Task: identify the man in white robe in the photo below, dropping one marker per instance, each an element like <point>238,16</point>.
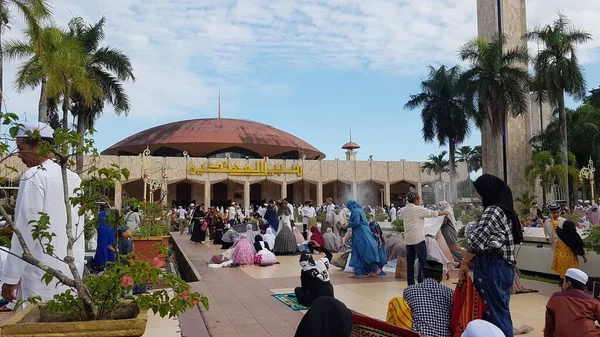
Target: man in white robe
<point>41,190</point>
<point>393,214</point>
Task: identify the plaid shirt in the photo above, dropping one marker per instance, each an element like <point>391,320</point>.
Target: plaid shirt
<point>493,233</point>
<point>431,307</point>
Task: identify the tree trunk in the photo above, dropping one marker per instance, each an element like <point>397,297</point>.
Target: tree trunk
<point>564,150</point>
<point>543,198</point>
<point>452,158</point>
<point>43,104</point>
<point>81,132</point>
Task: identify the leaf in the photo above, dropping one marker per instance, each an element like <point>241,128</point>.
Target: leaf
<point>47,278</point>
<point>204,301</point>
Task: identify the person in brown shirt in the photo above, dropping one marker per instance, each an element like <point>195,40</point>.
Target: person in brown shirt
<point>572,312</point>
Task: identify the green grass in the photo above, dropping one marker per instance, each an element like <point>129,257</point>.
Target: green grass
<point>539,278</point>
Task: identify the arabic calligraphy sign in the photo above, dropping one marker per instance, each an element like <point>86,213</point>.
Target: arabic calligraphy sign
<point>260,169</point>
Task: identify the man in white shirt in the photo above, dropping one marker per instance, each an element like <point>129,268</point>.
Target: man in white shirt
<point>287,204</point>
<point>414,216</point>
<point>393,213</point>
<point>308,215</point>
<point>330,212</point>
<point>231,213</point>
<point>182,219</point>
<point>41,190</point>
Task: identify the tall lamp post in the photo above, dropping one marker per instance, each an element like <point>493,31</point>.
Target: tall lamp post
<point>588,173</point>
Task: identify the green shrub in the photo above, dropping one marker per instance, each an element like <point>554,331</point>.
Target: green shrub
<point>398,225</point>
<point>321,217</point>
<point>380,216</point>
<point>572,217</point>
<point>369,217</point>
<point>465,219</point>
<point>592,241</point>
<point>461,232</point>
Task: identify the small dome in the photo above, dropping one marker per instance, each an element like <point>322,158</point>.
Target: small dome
<point>350,146</point>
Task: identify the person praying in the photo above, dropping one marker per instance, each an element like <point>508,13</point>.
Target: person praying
<point>314,280</point>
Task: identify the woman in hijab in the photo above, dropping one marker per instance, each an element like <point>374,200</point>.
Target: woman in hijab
<point>380,241</point>
<point>259,244</point>
<point>314,280</point>
<point>271,218</point>
<point>285,242</point>
<point>332,241</point>
<point>568,247</point>
<point>365,254</point>
<point>298,236</point>
<point>219,227</point>
<point>198,225</point>
<point>250,233</point>
<point>316,236</point>
<point>449,231</point>
<point>269,237</point>
<point>491,249</point>
<point>244,252</point>
<point>327,317</point>
<point>593,215</point>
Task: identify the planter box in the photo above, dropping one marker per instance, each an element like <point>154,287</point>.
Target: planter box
<point>144,247</point>
<point>26,324</point>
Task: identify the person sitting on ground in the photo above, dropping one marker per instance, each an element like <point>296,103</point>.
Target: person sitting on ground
<point>332,241</point>
<point>260,244</point>
<point>264,257</point>
<point>327,317</point>
<point>314,279</point>
<point>244,252</point>
<point>430,302</point>
<point>572,312</point>
<point>479,328</point>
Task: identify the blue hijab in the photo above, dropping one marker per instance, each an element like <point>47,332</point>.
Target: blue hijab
<point>356,210</point>
<point>271,217</point>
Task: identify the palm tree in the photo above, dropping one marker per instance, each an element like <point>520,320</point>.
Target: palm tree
<point>497,81</point>
<point>57,64</point>
<point>476,159</point>
<point>466,155</point>
<point>544,169</point>
<point>558,69</point>
<point>33,11</point>
<point>107,67</point>
<point>445,113</point>
<point>525,201</point>
<point>436,165</point>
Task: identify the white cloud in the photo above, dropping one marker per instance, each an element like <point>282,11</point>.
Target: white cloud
<point>183,51</point>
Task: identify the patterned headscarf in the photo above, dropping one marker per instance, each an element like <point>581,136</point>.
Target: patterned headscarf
<point>377,234</point>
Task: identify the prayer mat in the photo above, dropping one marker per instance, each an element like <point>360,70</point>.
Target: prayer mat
<point>290,300</point>
<point>364,326</point>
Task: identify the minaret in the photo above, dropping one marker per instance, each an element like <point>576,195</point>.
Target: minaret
<point>350,147</point>
<point>519,130</point>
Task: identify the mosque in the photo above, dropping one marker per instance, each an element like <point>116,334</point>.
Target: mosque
<point>217,161</point>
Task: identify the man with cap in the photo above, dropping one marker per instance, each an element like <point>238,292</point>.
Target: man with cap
<point>41,190</point>
<point>231,214</point>
<point>430,302</point>
<point>414,216</point>
<point>309,216</point>
<point>572,312</point>
<point>393,213</point>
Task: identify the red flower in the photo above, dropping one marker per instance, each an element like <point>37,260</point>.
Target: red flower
<point>127,281</point>
<point>158,262</point>
<point>184,294</point>
<point>194,301</point>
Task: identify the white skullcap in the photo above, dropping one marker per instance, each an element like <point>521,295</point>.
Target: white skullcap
<point>44,129</point>
<point>192,205</point>
<point>481,328</point>
<point>577,275</point>
<point>233,203</point>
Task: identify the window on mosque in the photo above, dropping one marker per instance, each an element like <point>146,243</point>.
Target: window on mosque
<point>235,152</point>
<point>167,152</point>
<point>288,155</point>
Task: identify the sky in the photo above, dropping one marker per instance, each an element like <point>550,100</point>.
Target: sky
<point>312,68</point>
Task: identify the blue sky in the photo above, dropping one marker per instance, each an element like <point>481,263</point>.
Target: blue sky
<point>311,68</point>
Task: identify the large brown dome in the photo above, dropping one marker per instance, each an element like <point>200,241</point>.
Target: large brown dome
<point>213,137</point>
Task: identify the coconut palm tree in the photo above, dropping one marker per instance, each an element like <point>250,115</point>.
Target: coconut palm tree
<point>544,169</point>
<point>558,69</point>
<point>445,113</point>
<point>436,165</point>
<point>56,63</point>
<point>466,154</point>
<point>497,81</point>
<point>476,159</point>
<point>33,11</point>
<point>105,66</point>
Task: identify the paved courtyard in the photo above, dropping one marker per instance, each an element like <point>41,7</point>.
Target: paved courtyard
<point>241,303</point>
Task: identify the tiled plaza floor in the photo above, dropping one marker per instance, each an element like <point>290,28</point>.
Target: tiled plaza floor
<point>241,305</point>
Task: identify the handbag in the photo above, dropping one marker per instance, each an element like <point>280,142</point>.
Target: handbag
<point>204,225</point>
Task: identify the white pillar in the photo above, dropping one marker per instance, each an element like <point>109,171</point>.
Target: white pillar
<point>283,190</point>
<point>420,190</point>
<point>207,188</point>
<point>306,191</point>
<point>118,195</point>
<point>319,193</point>
<point>246,194</point>
<point>355,191</point>
<point>387,195</point>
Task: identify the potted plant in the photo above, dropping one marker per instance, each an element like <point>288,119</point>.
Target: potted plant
<point>153,232</point>
<point>93,305</point>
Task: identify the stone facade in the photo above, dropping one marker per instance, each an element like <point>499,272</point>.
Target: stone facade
<point>372,182</point>
<point>520,129</point>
